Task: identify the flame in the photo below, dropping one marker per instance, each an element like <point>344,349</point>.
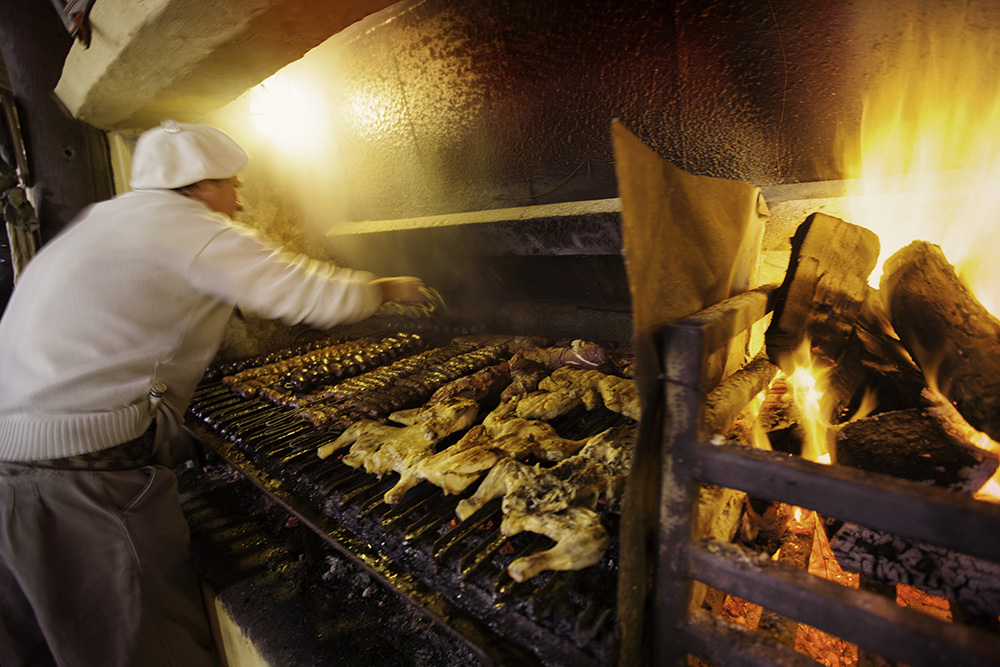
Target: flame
<point>990,491</point>
<point>758,436</point>
<point>808,384</point>
<point>926,160</point>
<point>869,401</point>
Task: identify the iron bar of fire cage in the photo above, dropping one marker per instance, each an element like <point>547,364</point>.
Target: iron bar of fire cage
<point>722,644</point>
<point>905,508</point>
<point>908,509</point>
<point>868,619</point>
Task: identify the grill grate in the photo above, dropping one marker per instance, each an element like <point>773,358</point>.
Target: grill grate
<point>455,570</point>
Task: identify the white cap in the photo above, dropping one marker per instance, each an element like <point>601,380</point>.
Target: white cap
<point>174,155</point>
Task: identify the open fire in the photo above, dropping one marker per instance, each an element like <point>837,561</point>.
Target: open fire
<point>887,371</point>
<point>927,157</point>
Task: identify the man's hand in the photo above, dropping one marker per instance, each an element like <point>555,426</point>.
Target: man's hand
<point>403,289</point>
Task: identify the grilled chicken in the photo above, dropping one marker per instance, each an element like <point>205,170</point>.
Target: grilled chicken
<point>546,404</point>
<point>381,449</point>
<point>620,395</point>
<point>481,386</point>
<point>580,541</point>
<point>502,435</point>
<point>525,376</point>
<point>559,502</point>
<point>568,388</point>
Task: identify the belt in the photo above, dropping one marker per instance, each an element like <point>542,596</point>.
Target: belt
<point>132,454</point>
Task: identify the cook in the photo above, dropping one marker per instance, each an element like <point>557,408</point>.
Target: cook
<point>106,335</point>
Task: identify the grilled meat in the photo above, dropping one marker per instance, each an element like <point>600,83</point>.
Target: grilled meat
<point>578,353</point>
<point>382,449</point>
<point>524,377</point>
<point>301,373</point>
<point>502,435</point>
<point>580,541</point>
<point>481,386</point>
<point>567,388</point>
<point>407,382</point>
<point>559,502</point>
<point>620,395</point>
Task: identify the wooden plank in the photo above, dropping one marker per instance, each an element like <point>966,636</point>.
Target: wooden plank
<point>901,507</point>
<point>858,616</point>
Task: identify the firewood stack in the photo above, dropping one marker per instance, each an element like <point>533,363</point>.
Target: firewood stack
<point>928,353</point>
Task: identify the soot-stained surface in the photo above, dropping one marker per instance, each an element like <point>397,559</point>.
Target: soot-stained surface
<point>298,599</point>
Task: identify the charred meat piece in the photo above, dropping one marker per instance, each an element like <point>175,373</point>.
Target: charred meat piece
<point>480,386</point>
<point>221,370</point>
<point>300,374</point>
<point>405,383</point>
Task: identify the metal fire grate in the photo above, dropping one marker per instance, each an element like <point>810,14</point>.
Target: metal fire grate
<point>900,507</point>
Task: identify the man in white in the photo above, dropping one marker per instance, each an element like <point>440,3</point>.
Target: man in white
<point>106,335</point>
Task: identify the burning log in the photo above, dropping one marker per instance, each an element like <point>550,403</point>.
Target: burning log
<point>952,337</point>
<point>825,287</point>
<point>935,446</point>
<point>918,445</point>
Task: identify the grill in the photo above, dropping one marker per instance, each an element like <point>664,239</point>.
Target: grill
<point>454,570</point>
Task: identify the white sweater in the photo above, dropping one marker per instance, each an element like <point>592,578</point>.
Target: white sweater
<point>138,291</point>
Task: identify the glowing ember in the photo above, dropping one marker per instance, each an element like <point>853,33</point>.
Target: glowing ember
<point>798,514</point>
<point>927,159</point>
<point>808,390</point>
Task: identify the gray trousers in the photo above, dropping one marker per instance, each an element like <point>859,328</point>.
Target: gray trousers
<point>95,570</point>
